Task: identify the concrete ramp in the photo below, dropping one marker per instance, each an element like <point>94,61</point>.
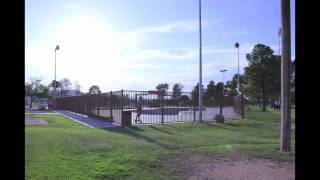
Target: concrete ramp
<point>85,120</point>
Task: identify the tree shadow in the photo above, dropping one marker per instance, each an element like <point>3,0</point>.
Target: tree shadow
<point>215,125</point>
<point>133,132</point>
<point>234,125</point>
<point>161,130</point>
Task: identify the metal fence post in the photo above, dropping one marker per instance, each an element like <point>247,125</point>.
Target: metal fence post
<point>121,107</point>
<point>162,109</point>
<point>88,106</point>
<point>111,108</point>
<point>194,112</point>
<point>100,96</point>
<point>242,106</point>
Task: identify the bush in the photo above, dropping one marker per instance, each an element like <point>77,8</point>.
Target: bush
<point>219,118</point>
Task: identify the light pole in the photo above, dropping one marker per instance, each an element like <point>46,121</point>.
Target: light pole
<point>55,81</point>
<point>279,33</point>
<point>236,45</point>
<point>200,66</point>
<point>223,71</point>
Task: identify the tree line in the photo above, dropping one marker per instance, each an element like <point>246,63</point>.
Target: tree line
<point>260,84</point>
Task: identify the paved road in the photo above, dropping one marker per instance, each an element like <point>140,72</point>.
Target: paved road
<point>32,121</point>
<point>36,111</point>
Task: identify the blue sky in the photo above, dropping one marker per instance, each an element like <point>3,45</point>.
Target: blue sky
<point>136,44</point>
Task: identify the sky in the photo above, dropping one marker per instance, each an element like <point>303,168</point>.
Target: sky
<point>137,44</point>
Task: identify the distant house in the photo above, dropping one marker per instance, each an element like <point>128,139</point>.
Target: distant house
<point>74,93</point>
<point>68,93</point>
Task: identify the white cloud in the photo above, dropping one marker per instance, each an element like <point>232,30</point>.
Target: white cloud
<point>178,26</point>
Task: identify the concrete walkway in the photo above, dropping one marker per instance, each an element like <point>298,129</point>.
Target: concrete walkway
<point>87,121</point>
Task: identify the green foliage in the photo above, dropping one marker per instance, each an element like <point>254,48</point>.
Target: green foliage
<point>208,97</point>
<point>184,100</point>
<point>231,86</point>
<point>162,87</point>
<point>58,84</point>
<point>177,90</point>
<point>65,86</point>
<point>219,92</point>
<point>94,90</point>
<point>34,89</point>
<point>263,75</point>
<point>195,95</point>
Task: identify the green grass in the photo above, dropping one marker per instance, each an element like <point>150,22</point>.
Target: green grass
<point>67,149</point>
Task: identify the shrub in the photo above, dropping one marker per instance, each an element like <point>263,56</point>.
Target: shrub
<point>219,118</point>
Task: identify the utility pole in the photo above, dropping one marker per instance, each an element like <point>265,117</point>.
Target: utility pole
<point>285,77</point>
<point>279,33</point>
<point>236,45</point>
<point>200,66</point>
<point>55,80</point>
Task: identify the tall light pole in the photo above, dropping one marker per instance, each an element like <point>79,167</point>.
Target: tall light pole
<point>55,67</point>
<point>279,34</point>
<point>236,45</point>
<point>285,76</point>
<point>200,66</point>
<point>223,71</point>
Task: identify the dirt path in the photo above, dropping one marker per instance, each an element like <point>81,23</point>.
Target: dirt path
<point>201,167</point>
<point>33,121</point>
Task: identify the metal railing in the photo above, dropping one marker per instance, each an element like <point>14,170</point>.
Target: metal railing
<point>158,107</point>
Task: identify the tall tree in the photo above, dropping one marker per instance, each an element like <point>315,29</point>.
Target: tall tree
<point>94,90</point>
<point>162,87</point>
<point>263,72</point>
<point>231,86</point>
<point>177,90</point>
<point>77,87</point>
<point>34,89</point>
<point>219,96</point>
<point>57,83</point>
<point>208,96</point>
<point>195,94</point>
<point>66,86</point>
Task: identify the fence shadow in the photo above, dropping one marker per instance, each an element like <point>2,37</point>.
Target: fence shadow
<point>214,125</point>
<point>161,130</point>
<point>133,132</point>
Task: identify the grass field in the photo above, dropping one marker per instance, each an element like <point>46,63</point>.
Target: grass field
<point>68,150</point>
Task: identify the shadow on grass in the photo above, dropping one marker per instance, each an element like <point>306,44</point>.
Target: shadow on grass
<point>232,124</point>
<point>133,132</point>
<point>215,125</point>
<point>161,130</point>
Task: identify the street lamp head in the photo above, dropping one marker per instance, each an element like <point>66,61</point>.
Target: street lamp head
<point>57,48</point>
<point>236,45</point>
